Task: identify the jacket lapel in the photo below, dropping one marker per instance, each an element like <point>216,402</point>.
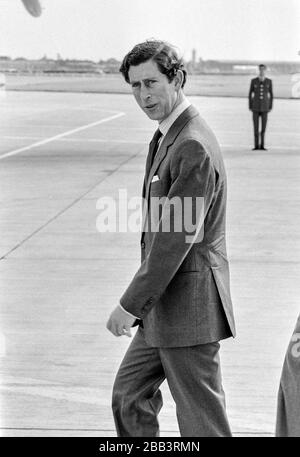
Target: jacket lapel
<point>169,139</point>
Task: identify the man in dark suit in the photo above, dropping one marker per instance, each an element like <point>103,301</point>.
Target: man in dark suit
<point>288,400</point>
<point>260,103</point>
<point>180,295</point>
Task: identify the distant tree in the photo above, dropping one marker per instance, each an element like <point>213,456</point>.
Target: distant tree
<point>112,61</point>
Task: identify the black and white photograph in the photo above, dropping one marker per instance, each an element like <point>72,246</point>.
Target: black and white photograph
<point>149,219</point>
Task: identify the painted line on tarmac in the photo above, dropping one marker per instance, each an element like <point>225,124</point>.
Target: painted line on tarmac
<point>74,202</point>
<point>60,135</point>
<point>100,140</point>
<point>74,140</point>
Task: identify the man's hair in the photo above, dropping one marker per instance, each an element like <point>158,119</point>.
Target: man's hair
<point>262,65</point>
<point>161,52</point>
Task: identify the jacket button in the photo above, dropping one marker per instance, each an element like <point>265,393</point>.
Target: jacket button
<point>143,245</point>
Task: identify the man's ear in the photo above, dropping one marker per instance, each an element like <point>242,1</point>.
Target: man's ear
<point>178,79</point>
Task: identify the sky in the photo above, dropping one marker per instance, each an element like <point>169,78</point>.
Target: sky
<point>99,29</point>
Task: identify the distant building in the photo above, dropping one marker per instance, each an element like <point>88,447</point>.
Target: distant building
<point>245,68</point>
<point>194,54</point>
<point>112,65</point>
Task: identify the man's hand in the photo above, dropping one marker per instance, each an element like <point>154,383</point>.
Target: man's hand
<point>119,322</point>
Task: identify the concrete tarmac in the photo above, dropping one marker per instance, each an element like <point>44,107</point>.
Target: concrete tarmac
<point>60,277</point>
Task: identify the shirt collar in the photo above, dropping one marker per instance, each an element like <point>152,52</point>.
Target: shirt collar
<point>165,125</point>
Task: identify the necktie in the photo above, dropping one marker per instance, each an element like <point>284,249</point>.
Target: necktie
<point>154,145</point>
<point>151,154</point>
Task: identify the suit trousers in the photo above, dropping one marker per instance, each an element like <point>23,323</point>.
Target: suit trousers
<point>264,117</point>
<point>194,378</point>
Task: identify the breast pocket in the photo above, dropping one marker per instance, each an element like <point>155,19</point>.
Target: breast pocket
<point>155,189</point>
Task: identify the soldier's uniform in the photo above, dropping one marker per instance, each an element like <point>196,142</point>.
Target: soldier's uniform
<point>260,103</point>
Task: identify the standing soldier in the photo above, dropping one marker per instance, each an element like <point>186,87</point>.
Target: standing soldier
<point>260,103</point>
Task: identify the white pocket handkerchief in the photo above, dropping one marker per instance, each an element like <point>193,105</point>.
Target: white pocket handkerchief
<point>155,178</point>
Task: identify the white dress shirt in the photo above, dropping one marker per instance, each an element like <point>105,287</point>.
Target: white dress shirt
<point>166,124</point>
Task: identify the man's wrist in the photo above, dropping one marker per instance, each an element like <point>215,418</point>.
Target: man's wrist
<point>127,312</point>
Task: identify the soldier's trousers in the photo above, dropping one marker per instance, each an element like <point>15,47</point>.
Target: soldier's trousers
<point>263,115</point>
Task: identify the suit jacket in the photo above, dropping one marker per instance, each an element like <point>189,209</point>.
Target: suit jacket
<point>181,290</point>
<point>288,400</point>
<point>260,95</point>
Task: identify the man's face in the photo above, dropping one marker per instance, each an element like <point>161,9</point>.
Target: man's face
<point>262,72</point>
<point>152,90</point>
